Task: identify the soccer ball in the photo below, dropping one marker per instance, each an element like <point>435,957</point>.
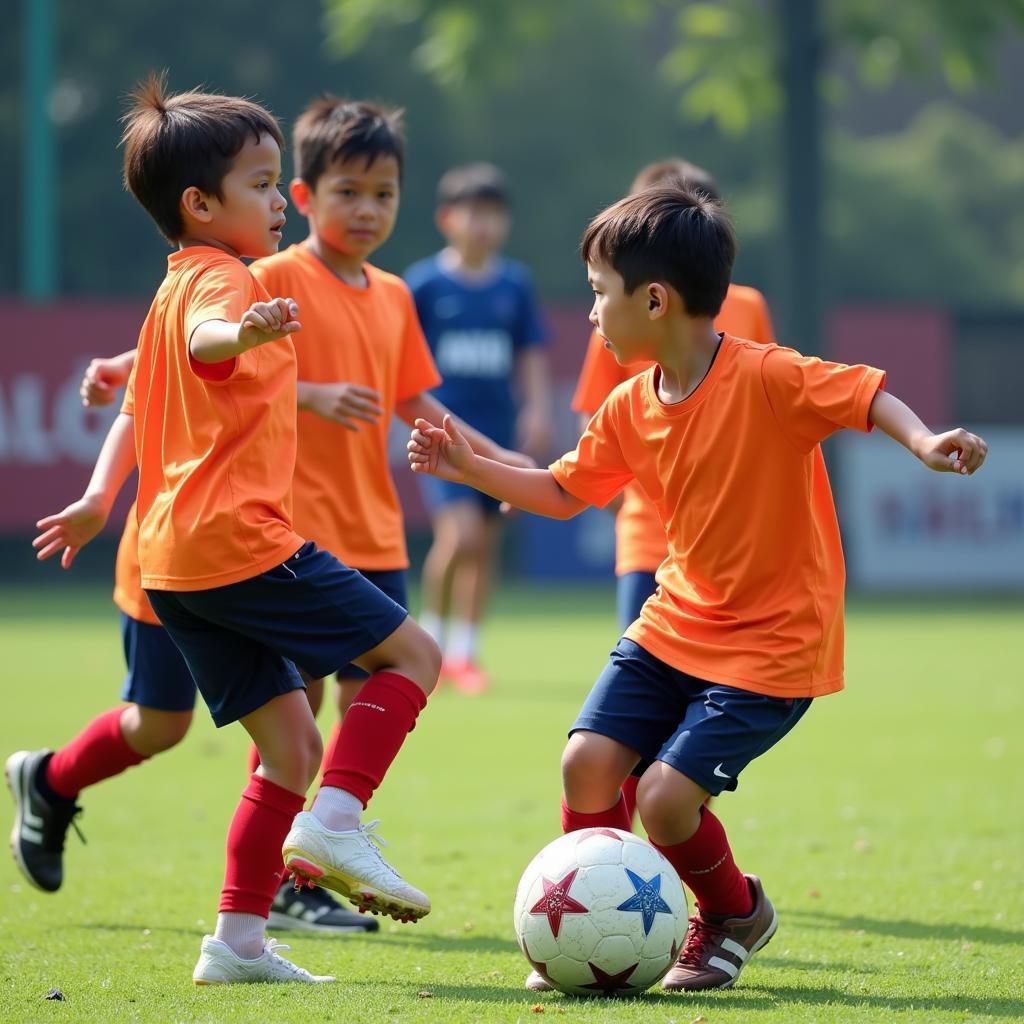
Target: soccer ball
<point>600,912</point>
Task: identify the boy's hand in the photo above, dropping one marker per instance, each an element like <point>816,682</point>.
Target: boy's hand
<point>342,403</point>
<point>71,530</point>
<point>268,321</point>
<point>955,451</point>
<point>440,451</point>
<point>102,379</point>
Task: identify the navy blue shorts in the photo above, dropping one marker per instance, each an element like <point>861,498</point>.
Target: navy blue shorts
<point>158,677</point>
<point>243,641</point>
<point>393,583</point>
<point>706,731</point>
<point>439,493</point>
<point>631,591</point>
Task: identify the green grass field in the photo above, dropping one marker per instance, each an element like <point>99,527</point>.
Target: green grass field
<point>889,830</point>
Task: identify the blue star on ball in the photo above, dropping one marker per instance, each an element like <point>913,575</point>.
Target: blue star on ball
<point>646,900</point>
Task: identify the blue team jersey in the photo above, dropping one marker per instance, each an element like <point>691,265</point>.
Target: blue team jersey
<point>476,329</point>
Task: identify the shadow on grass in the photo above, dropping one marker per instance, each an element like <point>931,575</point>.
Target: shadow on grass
<point>905,929</point>
<point>745,998</point>
<point>427,942</point>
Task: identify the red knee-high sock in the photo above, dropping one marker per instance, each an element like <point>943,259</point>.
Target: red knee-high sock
<point>254,758</point>
<point>331,747</point>
<point>262,820</point>
<point>705,864</point>
<point>372,732</point>
<point>96,753</point>
<point>614,817</point>
<point>629,795</point>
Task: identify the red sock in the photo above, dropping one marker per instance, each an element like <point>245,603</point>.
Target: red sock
<point>705,864</point>
<point>262,820</point>
<point>629,795</point>
<point>331,747</point>
<point>254,758</point>
<point>614,817</point>
<point>96,753</point>
<point>372,732</point>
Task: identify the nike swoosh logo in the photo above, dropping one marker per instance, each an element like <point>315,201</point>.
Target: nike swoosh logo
<point>720,773</point>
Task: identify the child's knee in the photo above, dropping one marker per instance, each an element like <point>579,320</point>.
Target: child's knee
<point>149,732</point>
<point>667,801</point>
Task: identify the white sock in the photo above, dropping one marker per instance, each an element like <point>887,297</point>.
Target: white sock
<point>433,624</point>
<point>337,809</point>
<point>244,933</point>
<point>462,640</point>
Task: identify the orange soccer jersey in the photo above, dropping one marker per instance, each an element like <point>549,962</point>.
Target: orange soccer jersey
<point>344,496</point>
<point>215,443</point>
<point>752,601</point>
<point>639,536</point>
<point>128,593</point>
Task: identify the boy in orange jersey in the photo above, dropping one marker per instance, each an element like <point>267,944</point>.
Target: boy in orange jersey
<point>362,358</point>
<point>161,695</point>
<point>746,627</point>
<point>640,545</point>
<point>211,403</point>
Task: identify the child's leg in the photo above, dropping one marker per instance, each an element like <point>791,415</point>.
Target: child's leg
<point>693,839</point>
<point>45,785</point>
<point>479,542</point>
<point>593,770</point>
<point>289,745</point>
<point>315,696</point>
<point>438,568</point>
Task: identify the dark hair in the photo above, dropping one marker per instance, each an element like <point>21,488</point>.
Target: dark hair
<point>331,129</point>
<point>680,173</point>
<point>172,143</point>
<point>671,235</point>
<point>472,183</point>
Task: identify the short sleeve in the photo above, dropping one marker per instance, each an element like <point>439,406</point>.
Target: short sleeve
<point>416,370</point>
<point>812,398</point>
<point>598,377</point>
<point>596,471</point>
<point>223,291</point>
<point>531,331</point>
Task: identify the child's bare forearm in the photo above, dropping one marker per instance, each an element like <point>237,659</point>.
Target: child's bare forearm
<point>425,406</point>
<point>115,462</point>
<point>532,490</point>
<point>898,420</point>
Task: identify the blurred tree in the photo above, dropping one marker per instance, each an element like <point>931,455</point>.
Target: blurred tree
<point>733,64</point>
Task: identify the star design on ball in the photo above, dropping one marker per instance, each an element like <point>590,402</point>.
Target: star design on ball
<point>646,900</point>
<point>610,984</point>
<point>556,901</point>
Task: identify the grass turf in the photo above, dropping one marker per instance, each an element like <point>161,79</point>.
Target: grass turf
<point>888,829</point>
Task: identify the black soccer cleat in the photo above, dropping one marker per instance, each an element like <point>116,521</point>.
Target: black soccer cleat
<point>315,910</point>
<point>40,824</point>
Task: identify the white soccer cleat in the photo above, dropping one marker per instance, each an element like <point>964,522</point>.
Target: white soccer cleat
<point>219,964</point>
<point>536,982</point>
<point>351,864</point>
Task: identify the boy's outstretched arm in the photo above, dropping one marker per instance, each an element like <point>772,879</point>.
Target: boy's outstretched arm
<point>73,528</point>
<point>425,407</point>
<point>445,452</point>
<point>954,451</point>
<point>217,341</point>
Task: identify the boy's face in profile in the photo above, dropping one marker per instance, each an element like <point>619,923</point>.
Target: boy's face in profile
<point>477,227</point>
<point>624,321</point>
<point>248,215</point>
<point>353,206</point>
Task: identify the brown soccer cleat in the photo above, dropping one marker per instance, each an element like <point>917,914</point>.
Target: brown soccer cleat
<point>717,949</point>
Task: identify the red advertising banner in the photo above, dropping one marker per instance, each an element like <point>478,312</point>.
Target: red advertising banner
<point>48,439</point>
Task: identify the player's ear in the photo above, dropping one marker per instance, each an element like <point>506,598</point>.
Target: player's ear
<point>194,204</point>
<point>657,300</point>
<point>300,193</point>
